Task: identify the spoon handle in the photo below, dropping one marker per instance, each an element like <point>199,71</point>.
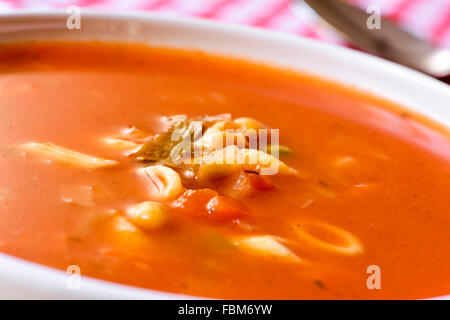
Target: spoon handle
<point>386,40</point>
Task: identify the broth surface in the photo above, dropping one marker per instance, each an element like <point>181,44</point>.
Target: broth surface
<point>387,171</point>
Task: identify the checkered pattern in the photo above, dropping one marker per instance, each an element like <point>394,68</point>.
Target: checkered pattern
<point>429,19</point>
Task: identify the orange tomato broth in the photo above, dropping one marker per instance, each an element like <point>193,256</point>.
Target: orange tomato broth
<point>393,196</point>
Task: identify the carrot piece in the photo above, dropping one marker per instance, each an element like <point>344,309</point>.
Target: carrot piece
<point>260,183</point>
<point>223,209</point>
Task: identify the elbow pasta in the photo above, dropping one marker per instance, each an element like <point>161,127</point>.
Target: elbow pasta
<point>231,159</point>
<point>63,155</point>
<point>213,139</point>
<point>221,135</point>
<point>351,246</point>
<point>220,163</point>
<point>148,215</point>
<point>164,182</point>
<point>267,245</point>
<point>224,125</point>
<point>265,164</point>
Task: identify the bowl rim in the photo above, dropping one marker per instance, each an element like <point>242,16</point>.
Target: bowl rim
<point>34,277</point>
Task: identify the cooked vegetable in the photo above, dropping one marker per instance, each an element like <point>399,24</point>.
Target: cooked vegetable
<point>240,186</point>
<point>260,182</point>
<point>193,202</point>
<point>161,148</point>
<point>244,184</point>
<point>220,152</point>
<point>224,209</point>
<point>206,203</point>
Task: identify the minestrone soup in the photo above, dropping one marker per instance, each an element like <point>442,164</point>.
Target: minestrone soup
<point>202,175</point>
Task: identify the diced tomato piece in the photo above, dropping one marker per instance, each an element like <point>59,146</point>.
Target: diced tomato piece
<point>223,209</point>
<point>260,183</point>
<point>206,203</point>
<point>193,202</point>
<point>242,187</point>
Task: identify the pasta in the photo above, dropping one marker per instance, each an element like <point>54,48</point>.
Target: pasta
<point>221,163</point>
<point>213,139</point>
<point>148,215</point>
<point>218,136</point>
<point>63,155</point>
<point>267,245</point>
<point>164,182</point>
<point>231,159</point>
<point>351,246</point>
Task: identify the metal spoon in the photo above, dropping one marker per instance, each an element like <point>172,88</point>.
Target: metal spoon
<point>389,41</point>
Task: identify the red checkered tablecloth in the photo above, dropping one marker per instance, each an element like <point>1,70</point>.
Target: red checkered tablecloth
<point>429,19</point>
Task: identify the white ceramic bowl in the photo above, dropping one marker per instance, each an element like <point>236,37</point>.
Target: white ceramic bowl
<point>22,279</point>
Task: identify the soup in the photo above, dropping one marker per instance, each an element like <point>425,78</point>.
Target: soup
<point>202,175</point>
